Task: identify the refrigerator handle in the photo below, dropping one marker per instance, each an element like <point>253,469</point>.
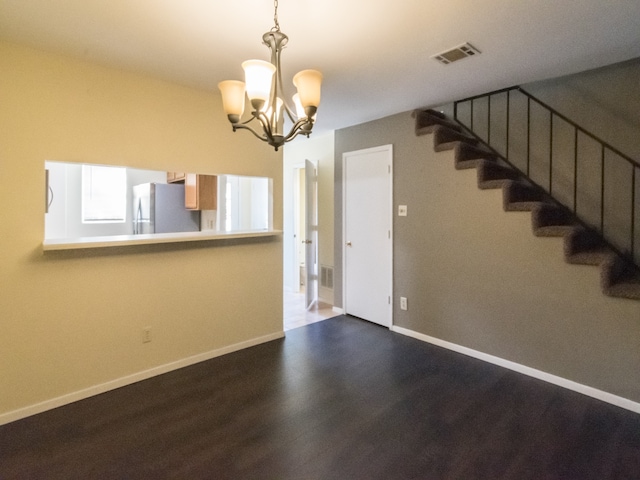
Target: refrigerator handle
<point>136,222</point>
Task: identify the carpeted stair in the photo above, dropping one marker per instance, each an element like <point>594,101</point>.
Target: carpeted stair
<point>618,278</point>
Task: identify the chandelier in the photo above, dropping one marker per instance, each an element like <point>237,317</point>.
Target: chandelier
<point>263,86</point>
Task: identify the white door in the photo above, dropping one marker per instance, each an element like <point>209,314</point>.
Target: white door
<point>367,214</point>
<point>311,233</point>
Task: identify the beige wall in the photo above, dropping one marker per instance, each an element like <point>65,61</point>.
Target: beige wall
<point>71,321</point>
<point>477,277</point>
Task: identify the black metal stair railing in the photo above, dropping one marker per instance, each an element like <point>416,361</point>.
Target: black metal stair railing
<point>583,173</point>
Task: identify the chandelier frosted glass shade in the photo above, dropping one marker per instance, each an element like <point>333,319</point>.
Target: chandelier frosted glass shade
<point>258,76</point>
<point>232,99</point>
<point>308,83</point>
<point>270,109</point>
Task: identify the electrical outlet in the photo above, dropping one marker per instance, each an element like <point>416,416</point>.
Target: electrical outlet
<point>146,335</point>
<point>402,210</point>
<point>403,303</point>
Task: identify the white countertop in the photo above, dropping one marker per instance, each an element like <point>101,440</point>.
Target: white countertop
<point>148,239</point>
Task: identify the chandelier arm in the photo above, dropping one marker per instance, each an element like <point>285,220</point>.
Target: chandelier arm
<point>241,126</point>
<point>289,138</point>
<point>249,120</point>
<point>297,128</point>
<point>266,127</point>
<point>266,124</point>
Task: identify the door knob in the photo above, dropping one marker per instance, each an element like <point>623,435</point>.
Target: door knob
<point>306,241</point>
<point>348,244</point>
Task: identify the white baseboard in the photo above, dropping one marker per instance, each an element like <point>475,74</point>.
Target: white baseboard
<point>337,310</point>
<point>532,372</point>
<point>129,379</point>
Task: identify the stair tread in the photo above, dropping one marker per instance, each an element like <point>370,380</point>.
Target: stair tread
<point>427,120</point>
<point>524,206</point>
<point>629,289</point>
<point>493,175</point>
<point>446,135</point>
<point>548,220</point>
<point>552,230</point>
<point>519,196</point>
<point>589,257</point>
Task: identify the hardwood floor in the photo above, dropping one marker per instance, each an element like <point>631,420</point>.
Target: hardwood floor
<point>337,399</point>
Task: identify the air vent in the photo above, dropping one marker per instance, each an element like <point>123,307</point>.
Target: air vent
<point>326,276</point>
<point>463,51</point>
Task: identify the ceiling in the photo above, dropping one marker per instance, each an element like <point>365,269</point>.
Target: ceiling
<point>375,55</point>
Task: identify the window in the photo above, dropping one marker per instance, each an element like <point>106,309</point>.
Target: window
<point>246,203</point>
<point>104,194</point>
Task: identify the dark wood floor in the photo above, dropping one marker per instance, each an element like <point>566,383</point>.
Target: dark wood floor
<point>338,399</point>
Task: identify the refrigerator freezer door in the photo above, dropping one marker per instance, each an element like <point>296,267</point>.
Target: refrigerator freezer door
<point>170,214</point>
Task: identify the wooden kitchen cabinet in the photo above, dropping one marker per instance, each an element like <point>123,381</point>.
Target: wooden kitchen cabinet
<point>175,177</point>
<point>200,191</point>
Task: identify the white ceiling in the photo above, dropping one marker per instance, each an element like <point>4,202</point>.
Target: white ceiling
<point>374,54</point>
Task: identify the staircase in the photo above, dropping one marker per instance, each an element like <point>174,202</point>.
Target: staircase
<point>619,276</point>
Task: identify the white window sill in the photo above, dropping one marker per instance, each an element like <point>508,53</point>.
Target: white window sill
<point>150,239</point>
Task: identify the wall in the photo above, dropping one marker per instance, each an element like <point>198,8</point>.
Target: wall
<point>475,276</point>
<point>318,149</point>
<point>605,101</point>
<point>72,323</point>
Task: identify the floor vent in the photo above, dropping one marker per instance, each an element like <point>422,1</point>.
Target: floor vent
<point>326,276</point>
<point>455,54</point>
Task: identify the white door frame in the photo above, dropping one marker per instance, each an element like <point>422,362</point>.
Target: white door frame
<point>311,233</point>
<point>382,148</point>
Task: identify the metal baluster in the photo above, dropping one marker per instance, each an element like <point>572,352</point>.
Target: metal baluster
<point>575,169</point>
<point>471,110</point>
<point>602,189</point>
<point>633,212</point>
<point>528,135</point>
<point>508,122</point>
<point>550,152</point>
<point>489,120</point>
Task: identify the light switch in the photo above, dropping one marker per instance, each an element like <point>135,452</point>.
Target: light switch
<point>402,210</point>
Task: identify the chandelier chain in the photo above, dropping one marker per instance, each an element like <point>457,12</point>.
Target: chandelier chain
<point>276,27</point>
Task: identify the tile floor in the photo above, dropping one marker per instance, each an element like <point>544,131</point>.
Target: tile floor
<point>296,315</point>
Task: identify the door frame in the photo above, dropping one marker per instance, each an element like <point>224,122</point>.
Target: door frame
<point>311,233</point>
<point>382,148</point>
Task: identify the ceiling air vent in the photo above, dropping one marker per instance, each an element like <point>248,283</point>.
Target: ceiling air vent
<point>455,54</point>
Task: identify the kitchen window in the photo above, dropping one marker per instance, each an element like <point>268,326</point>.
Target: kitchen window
<point>104,194</point>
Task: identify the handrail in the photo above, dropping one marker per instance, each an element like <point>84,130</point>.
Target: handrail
<point>578,127</point>
<point>627,248</point>
<point>552,110</point>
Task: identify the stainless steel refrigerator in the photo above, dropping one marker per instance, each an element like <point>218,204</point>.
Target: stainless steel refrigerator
<point>159,208</point>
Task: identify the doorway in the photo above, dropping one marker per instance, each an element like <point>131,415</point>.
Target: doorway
<point>301,300</point>
<point>367,229</point>
<point>305,201</point>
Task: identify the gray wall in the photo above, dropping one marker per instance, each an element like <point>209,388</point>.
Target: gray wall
<point>476,276</point>
<point>605,101</point>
